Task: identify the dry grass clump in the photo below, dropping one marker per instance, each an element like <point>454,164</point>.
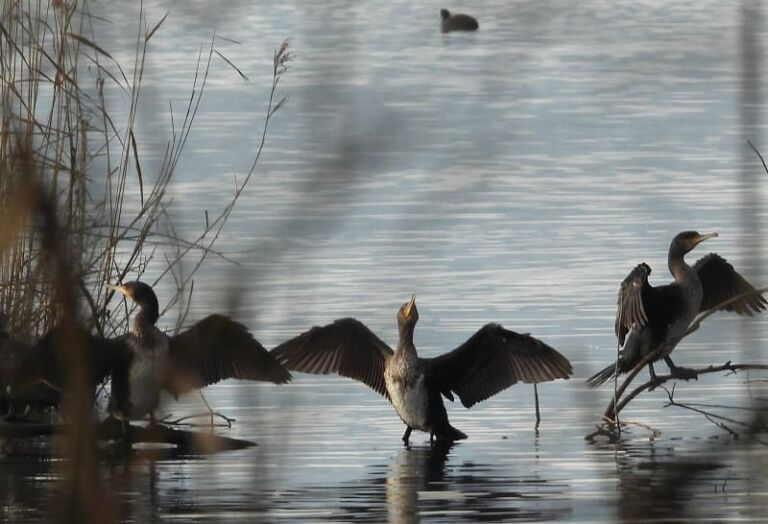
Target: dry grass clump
<point>68,223</point>
<point>53,107</point>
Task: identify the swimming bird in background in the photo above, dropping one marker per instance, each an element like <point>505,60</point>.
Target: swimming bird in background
<point>490,361</point>
<point>457,22</point>
<point>145,361</point>
<point>652,318</point>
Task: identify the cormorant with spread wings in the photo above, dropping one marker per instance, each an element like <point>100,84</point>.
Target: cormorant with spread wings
<point>652,318</point>
<point>491,360</point>
<point>145,361</point>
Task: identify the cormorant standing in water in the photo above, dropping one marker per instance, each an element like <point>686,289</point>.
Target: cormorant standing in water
<point>649,318</point>
<point>490,361</point>
<point>457,22</point>
<point>146,360</point>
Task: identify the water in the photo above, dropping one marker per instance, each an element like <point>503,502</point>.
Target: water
<point>513,175</point>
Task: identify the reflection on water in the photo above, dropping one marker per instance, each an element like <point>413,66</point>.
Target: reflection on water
<point>513,175</point>
<point>421,482</point>
<point>341,460</point>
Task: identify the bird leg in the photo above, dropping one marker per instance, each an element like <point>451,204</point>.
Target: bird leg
<point>654,377</point>
<point>680,372</point>
<point>406,436</point>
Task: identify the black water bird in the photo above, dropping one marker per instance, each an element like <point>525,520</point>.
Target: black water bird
<point>491,360</point>
<point>457,22</point>
<point>145,361</point>
<point>652,318</point>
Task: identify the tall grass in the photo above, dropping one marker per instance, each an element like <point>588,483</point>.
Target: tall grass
<point>54,77</point>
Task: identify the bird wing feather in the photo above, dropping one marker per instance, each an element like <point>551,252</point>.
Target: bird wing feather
<point>47,361</point>
<point>631,310</point>
<point>214,349</point>
<point>346,347</point>
<point>493,359</point>
<point>721,282</point>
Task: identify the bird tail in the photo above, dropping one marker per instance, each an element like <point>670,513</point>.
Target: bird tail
<point>635,346</point>
<point>602,376</point>
<point>449,433</point>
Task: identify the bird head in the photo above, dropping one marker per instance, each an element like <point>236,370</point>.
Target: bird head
<point>143,295</point>
<point>687,240</point>
<point>444,14</point>
<point>408,314</point>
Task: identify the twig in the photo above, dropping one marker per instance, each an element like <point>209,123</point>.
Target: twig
<point>179,421</point>
<point>608,425</point>
<point>718,420</point>
<point>661,379</point>
<point>752,146</point>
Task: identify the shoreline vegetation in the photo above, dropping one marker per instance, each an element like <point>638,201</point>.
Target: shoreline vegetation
<point>69,169</point>
<point>59,139</point>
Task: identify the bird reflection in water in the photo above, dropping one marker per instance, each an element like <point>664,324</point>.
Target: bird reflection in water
<point>427,482</point>
<point>659,483</point>
<point>414,471</point>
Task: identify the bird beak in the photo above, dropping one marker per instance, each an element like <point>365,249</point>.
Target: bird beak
<point>409,306</point>
<point>120,289</point>
<point>702,238</point>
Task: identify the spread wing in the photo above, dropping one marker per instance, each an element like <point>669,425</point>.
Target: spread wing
<point>346,347</point>
<point>630,311</point>
<point>217,348</point>
<point>722,282</point>
<point>13,354</point>
<point>493,359</point>
<point>50,359</point>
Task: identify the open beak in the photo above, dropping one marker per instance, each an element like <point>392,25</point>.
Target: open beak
<point>409,306</point>
<point>702,238</point>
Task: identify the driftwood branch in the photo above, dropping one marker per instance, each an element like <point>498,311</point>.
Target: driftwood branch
<point>182,421</point>
<point>186,441</point>
<point>661,379</point>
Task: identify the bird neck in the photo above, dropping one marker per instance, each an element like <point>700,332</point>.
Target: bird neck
<point>144,321</point>
<point>677,265</point>
<point>405,343</point>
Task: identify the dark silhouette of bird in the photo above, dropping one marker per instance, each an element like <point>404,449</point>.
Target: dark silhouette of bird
<point>36,399</point>
<point>457,22</point>
<point>491,360</point>
<point>652,318</point>
<point>145,361</point>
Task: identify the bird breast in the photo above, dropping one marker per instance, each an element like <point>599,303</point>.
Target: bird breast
<point>146,374</point>
<point>407,390</point>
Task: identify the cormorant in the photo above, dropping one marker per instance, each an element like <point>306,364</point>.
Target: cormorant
<point>457,22</point>
<point>146,360</point>
<point>491,360</point>
<point>649,318</point>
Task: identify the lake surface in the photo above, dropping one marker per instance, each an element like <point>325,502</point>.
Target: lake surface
<point>512,175</point>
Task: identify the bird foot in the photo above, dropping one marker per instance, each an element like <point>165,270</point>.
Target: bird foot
<point>684,373</point>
